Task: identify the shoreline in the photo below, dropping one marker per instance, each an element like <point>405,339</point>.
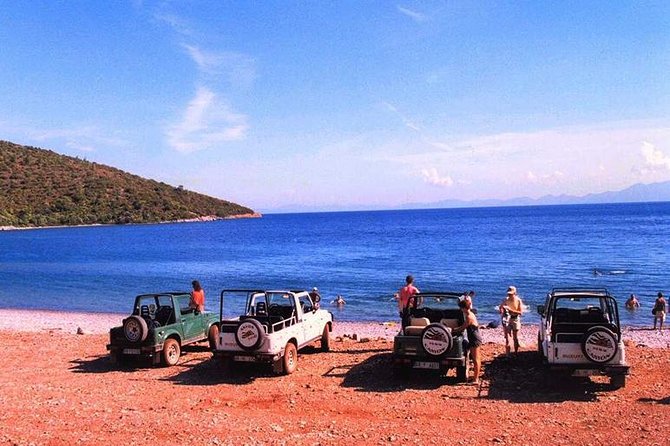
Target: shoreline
<point>203,218</point>
<point>28,320</point>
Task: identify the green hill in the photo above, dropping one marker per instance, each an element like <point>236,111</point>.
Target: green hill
<point>42,188</point>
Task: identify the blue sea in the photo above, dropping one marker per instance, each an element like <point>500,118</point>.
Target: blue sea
<point>364,256</point>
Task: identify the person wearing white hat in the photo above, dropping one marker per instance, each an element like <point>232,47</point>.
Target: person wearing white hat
<point>510,310</point>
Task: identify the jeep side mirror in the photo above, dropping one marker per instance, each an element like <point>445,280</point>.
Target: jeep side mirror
<point>540,310</point>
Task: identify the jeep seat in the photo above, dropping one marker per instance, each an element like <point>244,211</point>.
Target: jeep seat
<point>416,325</point>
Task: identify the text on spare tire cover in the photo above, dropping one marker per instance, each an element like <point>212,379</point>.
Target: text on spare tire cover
<point>247,334</point>
<point>132,330</point>
<point>435,341</point>
<point>600,346</point>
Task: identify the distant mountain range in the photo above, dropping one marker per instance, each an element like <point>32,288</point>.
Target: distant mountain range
<point>638,193</point>
<point>42,188</point>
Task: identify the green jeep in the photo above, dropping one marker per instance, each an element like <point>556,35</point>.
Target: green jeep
<point>160,325</point>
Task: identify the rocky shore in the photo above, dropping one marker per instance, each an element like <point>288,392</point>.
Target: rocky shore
<point>59,388</point>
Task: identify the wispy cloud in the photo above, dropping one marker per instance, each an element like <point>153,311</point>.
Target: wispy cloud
<point>239,69</point>
<point>414,15</point>
<point>547,179</point>
<point>206,123</point>
<point>410,124</point>
<point>431,176</point>
<point>177,23</point>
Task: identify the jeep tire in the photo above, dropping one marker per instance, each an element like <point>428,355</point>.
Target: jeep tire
<point>436,340</point>
<point>249,334</point>
<point>290,359</point>
<point>213,337</point>
<point>325,339</point>
<point>135,328</point>
<point>171,352</point>
<point>599,345</point>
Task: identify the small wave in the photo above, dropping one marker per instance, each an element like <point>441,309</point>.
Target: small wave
<point>617,272</point>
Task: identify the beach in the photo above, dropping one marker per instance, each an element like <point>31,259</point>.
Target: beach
<point>61,388</point>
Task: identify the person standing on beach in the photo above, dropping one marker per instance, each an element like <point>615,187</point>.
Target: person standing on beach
<point>197,297</point>
<point>471,326</point>
<point>406,293</point>
<point>513,307</point>
<point>659,310</point>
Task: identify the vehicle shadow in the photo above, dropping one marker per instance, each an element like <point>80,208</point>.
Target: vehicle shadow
<point>105,364</point>
<point>523,378</point>
<point>376,374</point>
<point>664,401</point>
<point>211,372</point>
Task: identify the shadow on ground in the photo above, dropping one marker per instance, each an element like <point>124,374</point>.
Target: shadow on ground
<point>523,378</point>
<point>664,401</point>
<point>105,364</point>
<point>377,374</point>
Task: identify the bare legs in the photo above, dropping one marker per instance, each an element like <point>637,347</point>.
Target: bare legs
<point>477,360</point>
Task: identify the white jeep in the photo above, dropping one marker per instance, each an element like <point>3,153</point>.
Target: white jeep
<point>580,333</point>
<point>271,328</point>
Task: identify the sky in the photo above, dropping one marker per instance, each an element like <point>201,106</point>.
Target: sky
<point>333,105</point>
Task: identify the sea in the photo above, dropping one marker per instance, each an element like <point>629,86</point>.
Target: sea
<point>363,256</point>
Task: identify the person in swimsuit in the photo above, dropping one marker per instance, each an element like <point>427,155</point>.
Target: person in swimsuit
<point>471,327</point>
<point>632,303</point>
<point>659,310</point>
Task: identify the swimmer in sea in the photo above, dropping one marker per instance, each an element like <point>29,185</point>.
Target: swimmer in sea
<point>632,303</point>
<point>339,301</point>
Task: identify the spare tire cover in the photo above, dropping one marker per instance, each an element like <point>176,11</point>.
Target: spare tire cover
<point>249,334</point>
<point>436,339</point>
<point>600,345</point>
<point>135,329</point>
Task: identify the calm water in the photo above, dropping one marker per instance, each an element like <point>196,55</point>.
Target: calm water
<point>362,255</point>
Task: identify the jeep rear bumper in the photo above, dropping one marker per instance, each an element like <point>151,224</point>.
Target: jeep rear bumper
<point>243,356</point>
<point>592,369</point>
<point>133,349</point>
<point>427,362</point>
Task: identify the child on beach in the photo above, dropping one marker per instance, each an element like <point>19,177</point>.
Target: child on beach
<point>510,311</point>
<point>659,311</point>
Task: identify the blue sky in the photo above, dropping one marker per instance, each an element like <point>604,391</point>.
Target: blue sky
<point>346,104</point>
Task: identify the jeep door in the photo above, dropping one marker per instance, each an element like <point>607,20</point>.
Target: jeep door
<point>191,323</point>
<point>309,318</point>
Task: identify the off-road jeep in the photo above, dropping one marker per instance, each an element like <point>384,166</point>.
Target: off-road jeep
<point>425,340</point>
<point>580,333</point>
<point>272,327</point>
<point>159,326</point>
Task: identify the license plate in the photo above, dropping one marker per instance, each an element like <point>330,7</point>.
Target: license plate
<point>244,358</point>
<point>585,372</point>
<point>131,351</point>
<point>426,365</point>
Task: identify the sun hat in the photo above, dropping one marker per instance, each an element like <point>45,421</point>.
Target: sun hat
<point>511,290</point>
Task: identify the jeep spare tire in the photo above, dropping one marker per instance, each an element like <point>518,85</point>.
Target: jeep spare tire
<point>135,329</point>
<point>249,334</point>
<point>436,340</point>
<point>600,345</point>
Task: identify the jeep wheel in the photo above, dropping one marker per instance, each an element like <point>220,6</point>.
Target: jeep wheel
<point>436,340</point>
<point>290,360</point>
<point>599,345</point>
<point>325,339</point>
<point>249,334</point>
<point>213,337</point>
<point>618,381</point>
<point>171,352</point>
<point>135,328</point>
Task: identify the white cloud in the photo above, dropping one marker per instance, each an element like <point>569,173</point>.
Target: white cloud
<point>654,158</point>
<point>206,123</point>
<point>431,176</point>
<point>548,179</point>
<point>414,15</point>
<point>410,124</point>
<point>175,22</point>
